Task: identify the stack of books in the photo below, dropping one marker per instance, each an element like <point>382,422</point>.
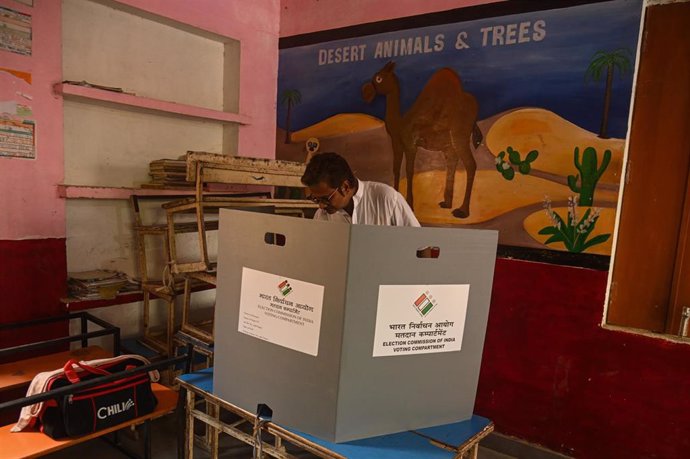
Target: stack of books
<point>99,284</point>
<point>168,173</point>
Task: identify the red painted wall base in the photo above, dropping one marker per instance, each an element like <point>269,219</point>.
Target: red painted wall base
<point>551,375</point>
<point>33,276</point>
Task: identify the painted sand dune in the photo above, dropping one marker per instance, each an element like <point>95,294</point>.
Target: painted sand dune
<point>492,197</point>
<point>555,139</point>
<point>337,125</point>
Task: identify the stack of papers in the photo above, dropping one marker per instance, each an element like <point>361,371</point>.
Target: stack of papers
<point>99,284</point>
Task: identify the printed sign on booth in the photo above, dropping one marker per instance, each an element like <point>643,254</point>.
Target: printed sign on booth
<point>281,310</point>
<point>420,319</point>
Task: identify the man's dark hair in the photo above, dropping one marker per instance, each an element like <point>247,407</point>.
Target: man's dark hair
<point>330,168</point>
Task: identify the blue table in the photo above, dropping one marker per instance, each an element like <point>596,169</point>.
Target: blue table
<point>449,441</point>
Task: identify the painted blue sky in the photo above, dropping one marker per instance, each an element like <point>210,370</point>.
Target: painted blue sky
<point>549,73</point>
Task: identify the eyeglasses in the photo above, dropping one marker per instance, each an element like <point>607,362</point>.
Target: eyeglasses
<point>323,199</point>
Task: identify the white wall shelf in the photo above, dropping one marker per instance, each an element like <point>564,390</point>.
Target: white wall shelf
<point>181,92</point>
<point>101,96</point>
<point>103,192</point>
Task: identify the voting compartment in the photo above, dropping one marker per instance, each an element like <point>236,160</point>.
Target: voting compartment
<point>343,330</point>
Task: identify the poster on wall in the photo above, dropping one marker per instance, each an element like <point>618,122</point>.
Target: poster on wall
<point>16,138</point>
<point>17,125</point>
<point>15,31</point>
<point>500,117</point>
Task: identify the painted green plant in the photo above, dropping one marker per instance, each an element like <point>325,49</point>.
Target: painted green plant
<point>608,62</point>
<point>289,98</point>
<point>507,168</point>
<point>573,233</point>
<point>589,173</point>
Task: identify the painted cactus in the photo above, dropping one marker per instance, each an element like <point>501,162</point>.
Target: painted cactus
<point>524,166</point>
<point>589,173</point>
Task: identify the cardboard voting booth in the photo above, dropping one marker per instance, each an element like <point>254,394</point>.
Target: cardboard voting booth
<point>342,330</point>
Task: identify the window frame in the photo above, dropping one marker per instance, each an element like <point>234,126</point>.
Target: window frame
<point>651,254</point>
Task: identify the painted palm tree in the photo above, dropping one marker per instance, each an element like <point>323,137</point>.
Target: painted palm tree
<point>289,97</point>
<point>609,61</point>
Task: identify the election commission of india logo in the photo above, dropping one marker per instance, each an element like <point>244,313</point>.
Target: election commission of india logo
<point>284,287</point>
<point>424,304</point>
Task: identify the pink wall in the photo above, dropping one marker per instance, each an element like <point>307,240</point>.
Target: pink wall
<point>34,271</point>
<point>29,203</point>
<point>28,195</point>
<point>256,26</point>
<point>306,16</point>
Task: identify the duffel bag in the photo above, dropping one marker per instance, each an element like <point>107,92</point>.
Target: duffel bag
<point>98,407</point>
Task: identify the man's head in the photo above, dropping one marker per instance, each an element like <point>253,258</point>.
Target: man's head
<point>330,181</point>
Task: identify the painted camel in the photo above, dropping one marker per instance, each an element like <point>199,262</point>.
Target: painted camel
<point>442,118</point>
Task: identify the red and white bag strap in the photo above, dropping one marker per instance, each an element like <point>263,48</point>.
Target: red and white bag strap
<point>72,375</point>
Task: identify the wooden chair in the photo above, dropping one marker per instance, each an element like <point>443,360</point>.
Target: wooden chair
<point>199,330</point>
<point>207,168</point>
<point>161,287</point>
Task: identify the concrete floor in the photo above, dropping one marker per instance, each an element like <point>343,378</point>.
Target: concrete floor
<point>164,446</point>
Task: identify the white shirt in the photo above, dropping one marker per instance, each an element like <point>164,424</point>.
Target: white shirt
<point>374,204</point>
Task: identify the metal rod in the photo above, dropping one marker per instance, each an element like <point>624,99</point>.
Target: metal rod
<point>52,342</point>
<point>685,319</point>
<point>147,440</point>
<point>84,329</point>
<point>98,321</point>
<point>44,320</point>
<point>84,317</point>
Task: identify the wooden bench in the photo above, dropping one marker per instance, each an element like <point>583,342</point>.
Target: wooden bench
<point>33,443</point>
<point>36,444</point>
<point>17,375</point>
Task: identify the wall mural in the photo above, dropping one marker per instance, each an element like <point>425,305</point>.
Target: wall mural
<point>510,121</point>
